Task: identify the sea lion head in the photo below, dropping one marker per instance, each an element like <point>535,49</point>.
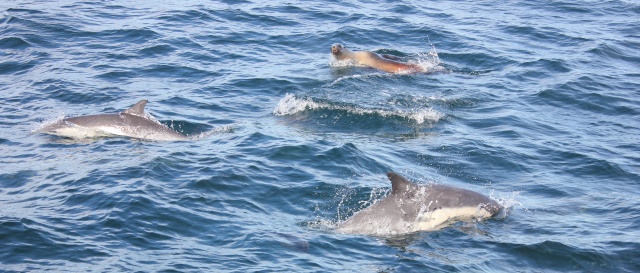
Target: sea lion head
<point>340,52</point>
<point>336,50</point>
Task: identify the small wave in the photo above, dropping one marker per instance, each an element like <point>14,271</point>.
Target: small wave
<point>359,76</point>
<point>290,105</point>
<point>13,43</point>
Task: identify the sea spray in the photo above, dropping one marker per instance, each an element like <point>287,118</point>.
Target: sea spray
<point>291,105</point>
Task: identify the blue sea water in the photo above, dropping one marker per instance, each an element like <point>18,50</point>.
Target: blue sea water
<point>535,103</point>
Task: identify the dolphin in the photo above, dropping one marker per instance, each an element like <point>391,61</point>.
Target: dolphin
<point>411,207</point>
<point>133,122</point>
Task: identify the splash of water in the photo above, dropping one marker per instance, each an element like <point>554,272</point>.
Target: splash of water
<point>214,131</point>
<point>507,201</point>
<point>37,127</point>
<point>291,105</point>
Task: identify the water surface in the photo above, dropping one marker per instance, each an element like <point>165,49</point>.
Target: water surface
<point>535,104</point>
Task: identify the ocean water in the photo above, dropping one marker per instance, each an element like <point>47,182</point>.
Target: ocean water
<point>536,104</point>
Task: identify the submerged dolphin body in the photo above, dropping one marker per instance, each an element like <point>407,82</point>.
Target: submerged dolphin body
<point>410,208</point>
<point>132,122</point>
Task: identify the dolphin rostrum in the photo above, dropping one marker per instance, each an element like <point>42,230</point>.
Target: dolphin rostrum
<point>411,207</point>
<point>133,122</point>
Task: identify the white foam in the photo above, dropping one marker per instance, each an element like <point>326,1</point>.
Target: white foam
<point>290,105</point>
<point>508,201</point>
<point>333,62</point>
<point>214,131</point>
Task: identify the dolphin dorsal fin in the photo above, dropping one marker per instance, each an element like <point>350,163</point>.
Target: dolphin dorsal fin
<point>398,183</point>
<point>137,109</point>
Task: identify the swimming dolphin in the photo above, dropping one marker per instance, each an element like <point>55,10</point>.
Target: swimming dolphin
<point>132,122</point>
<point>410,208</point>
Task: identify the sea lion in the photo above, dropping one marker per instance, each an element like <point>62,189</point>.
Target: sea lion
<point>383,62</point>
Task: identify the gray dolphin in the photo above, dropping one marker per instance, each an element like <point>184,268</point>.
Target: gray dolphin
<point>133,122</point>
<point>411,207</point>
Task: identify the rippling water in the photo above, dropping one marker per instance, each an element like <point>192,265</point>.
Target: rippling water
<point>536,104</point>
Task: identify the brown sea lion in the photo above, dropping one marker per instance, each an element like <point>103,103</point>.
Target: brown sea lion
<point>383,62</point>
